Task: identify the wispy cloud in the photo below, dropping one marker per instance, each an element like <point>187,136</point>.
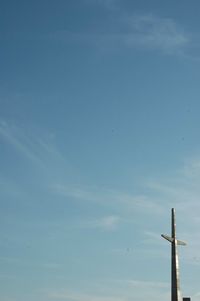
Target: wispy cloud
<point>19,261</point>
<point>109,196</point>
<point>5,298</point>
<point>180,190</point>
<point>108,4</point>
<point>148,284</point>
<point>152,238</point>
<point>146,32</point>
<point>108,223</point>
<point>196,297</point>
<point>122,290</point>
<point>18,140</point>
<point>81,297</point>
<point>37,147</point>
<point>151,32</point>
<point>33,145</point>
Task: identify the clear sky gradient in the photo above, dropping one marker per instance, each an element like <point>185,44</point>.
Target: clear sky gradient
<point>99,139</point>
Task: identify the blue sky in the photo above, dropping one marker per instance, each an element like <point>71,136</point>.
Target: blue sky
<point>99,135</point>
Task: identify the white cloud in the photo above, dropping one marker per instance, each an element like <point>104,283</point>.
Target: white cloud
<point>152,32</point>
<point>17,261</point>
<point>8,299</point>
<point>38,150</point>
<point>109,196</point>
<point>152,238</point>
<point>53,266</point>
<point>18,140</point>
<point>118,290</point>
<point>106,223</point>
<point>180,189</point>
<point>134,31</point>
<point>63,295</point>
<point>35,146</point>
<point>76,191</point>
<point>148,284</point>
<point>196,297</point>
<point>109,4</point>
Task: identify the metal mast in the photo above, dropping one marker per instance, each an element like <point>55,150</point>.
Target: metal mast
<point>175,281</point>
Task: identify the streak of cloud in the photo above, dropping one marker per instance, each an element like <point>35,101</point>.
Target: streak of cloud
<point>108,4</point>
<point>146,32</point>
<point>151,32</point>
<point>108,223</point>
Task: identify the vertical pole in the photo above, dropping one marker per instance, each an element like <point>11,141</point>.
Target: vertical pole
<point>175,288</point>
